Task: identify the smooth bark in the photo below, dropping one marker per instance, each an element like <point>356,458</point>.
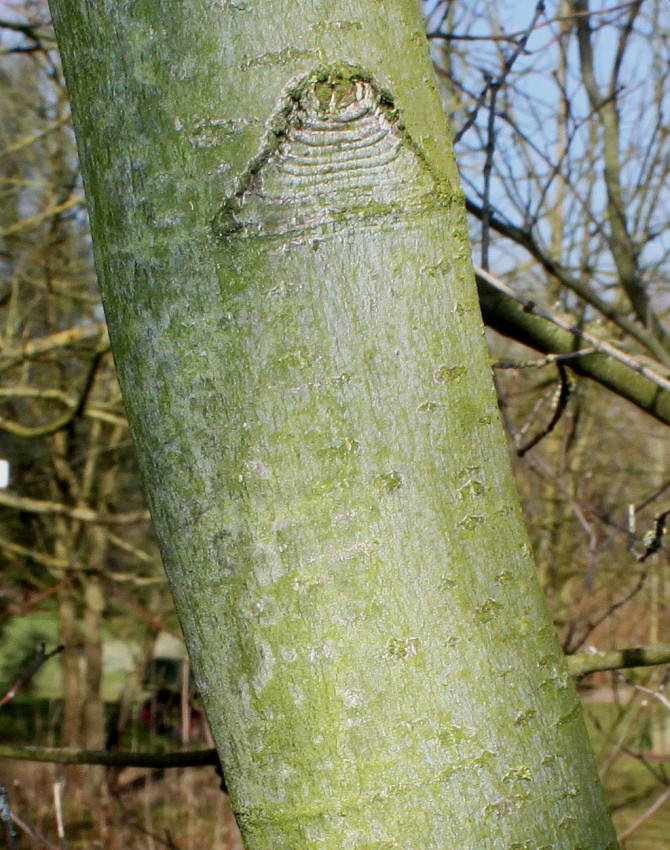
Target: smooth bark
<point>508,317</point>
<point>282,249</point>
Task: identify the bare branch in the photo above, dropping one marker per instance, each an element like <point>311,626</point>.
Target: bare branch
<point>525,239</point>
<point>560,401</point>
<point>600,345</point>
<point>55,209</point>
<point>42,657</point>
<point>655,806</point>
<point>37,506</point>
<point>110,758</point>
<point>47,561</point>
<point>506,314</point>
<point>624,252</point>
<point>15,355</point>
<point>618,659</point>
<point>33,833</point>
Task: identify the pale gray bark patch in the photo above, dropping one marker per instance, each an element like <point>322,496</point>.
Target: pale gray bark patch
<point>335,150</point>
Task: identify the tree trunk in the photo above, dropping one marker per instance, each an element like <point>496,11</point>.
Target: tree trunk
<point>69,661</point>
<point>284,261</point>
<point>93,709</point>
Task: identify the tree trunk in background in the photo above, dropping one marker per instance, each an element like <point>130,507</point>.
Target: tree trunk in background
<point>70,669</point>
<point>68,634</point>
<point>94,606</point>
<point>657,606</point>
<point>283,254</point>
<point>93,709</point>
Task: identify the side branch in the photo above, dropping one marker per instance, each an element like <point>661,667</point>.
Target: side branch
<point>521,237</point>
<point>110,758</point>
<point>522,322</point>
<point>618,659</point>
<point>37,506</point>
<point>15,355</point>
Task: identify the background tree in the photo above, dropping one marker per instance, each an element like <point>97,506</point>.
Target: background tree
<point>70,520</point>
<point>561,135</point>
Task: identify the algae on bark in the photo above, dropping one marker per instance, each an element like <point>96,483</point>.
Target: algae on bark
<point>283,255</point>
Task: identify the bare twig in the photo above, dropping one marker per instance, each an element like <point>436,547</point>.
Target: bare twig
<point>492,86</point>
<point>37,506</point>
<point>33,833</point>
<point>655,806</point>
<point>560,402</point>
<point>168,841</point>
<point>22,681</point>
<point>513,36</point>
<point>15,355</point>
<point>656,693</point>
<point>619,745</point>
<point>624,600</point>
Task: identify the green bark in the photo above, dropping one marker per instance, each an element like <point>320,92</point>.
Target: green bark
<point>282,250</point>
<point>619,659</point>
<point>509,317</point>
